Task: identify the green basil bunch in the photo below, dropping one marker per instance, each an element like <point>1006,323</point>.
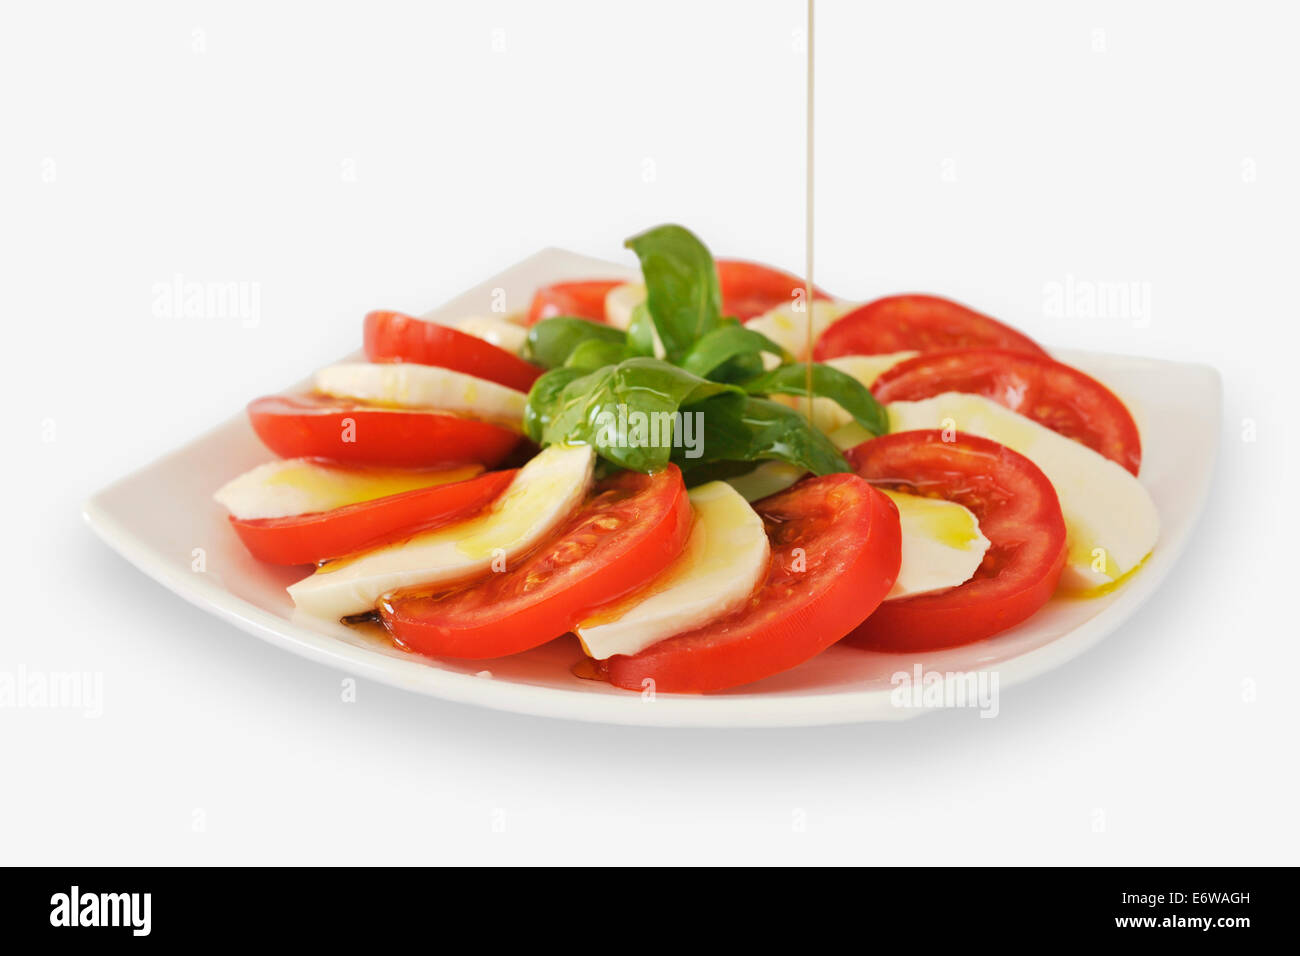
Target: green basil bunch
<point>703,404</point>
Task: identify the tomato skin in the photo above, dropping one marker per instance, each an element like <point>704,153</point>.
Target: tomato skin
<point>1050,392</point>
<point>1018,512</point>
<point>921,323</point>
<point>851,544</point>
<point>395,337</point>
<point>582,300</point>
<point>630,530</point>
<point>310,426</point>
<point>750,289</point>
<point>311,538</point>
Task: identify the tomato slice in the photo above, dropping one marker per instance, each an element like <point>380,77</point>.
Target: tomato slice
<point>921,323</point>
<point>311,538</point>
<point>836,546</point>
<point>749,289</point>
<point>394,337</point>
<point>311,426</point>
<point>1018,512</point>
<point>630,529</point>
<point>1051,393</point>
<point>581,300</point>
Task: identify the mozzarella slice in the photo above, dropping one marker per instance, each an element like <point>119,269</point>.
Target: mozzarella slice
<point>725,558</point>
<point>621,301</point>
<point>942,545</point>
<point>848,435</point>
<point>542,495</point>
<point>499,332</point>
<point>867,368</point>
<point>405,385</point>
<point>827,414</point>
<point>789,329</point>
<point>1111,522</point>
<point>767,479</point>
<point>296,486</point>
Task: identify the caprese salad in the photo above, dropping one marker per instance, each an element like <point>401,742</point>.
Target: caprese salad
<point>708,476</point>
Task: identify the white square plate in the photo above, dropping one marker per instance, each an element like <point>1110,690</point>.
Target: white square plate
<point>158,516</point>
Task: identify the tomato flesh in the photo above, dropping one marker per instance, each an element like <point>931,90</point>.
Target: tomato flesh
<point>1051,393</point>
<point>1018,512</point>
<point>921,323</point>
<point>835,554</point>
<point>630,529</point>
<point>312,426</point>
<point>581,300</point>
<point>394,337</point>
<point>311,538</point>
<point>749,289</point>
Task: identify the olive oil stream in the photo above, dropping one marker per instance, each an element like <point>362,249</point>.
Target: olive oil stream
<point>808,221</point>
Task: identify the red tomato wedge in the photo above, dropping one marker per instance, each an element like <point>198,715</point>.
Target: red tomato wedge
<point>630,529</point>
<point>921,323</point>
<point>1051,393</point>
<point>394,337</point>
<point>311,426</point>
<point>835,552</point>
<point>311,538</point>
<point>1018,512</point>
<point>581,300</point>
<point>749,289</point>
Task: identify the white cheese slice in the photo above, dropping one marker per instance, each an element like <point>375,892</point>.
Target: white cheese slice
<point>766,479</point>
<point>542,495</point>
<point>427,387</point>
<point>942,545</point>
<point>788,328</point>
<point>295,486</point>
<point>1111,521</point>
<point>502,333</point>
<point>621,301</point>
<point>725,558</point>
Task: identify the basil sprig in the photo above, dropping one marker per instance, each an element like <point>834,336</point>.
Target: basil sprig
<point>606,407</point>
<point>703,402</point>
<point>681,284</point>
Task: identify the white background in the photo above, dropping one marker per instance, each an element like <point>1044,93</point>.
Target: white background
<point>345,157</point>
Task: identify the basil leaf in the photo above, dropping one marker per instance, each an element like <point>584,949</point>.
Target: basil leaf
<point>756,428</point>
<point>552,341</point>
<point>595,353</point>
<point>543,397</point>
<point>739,369</point>
<point>681,286</point>
<point>729,341</point>
<point>627,412</point>
<point>827,382</point>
